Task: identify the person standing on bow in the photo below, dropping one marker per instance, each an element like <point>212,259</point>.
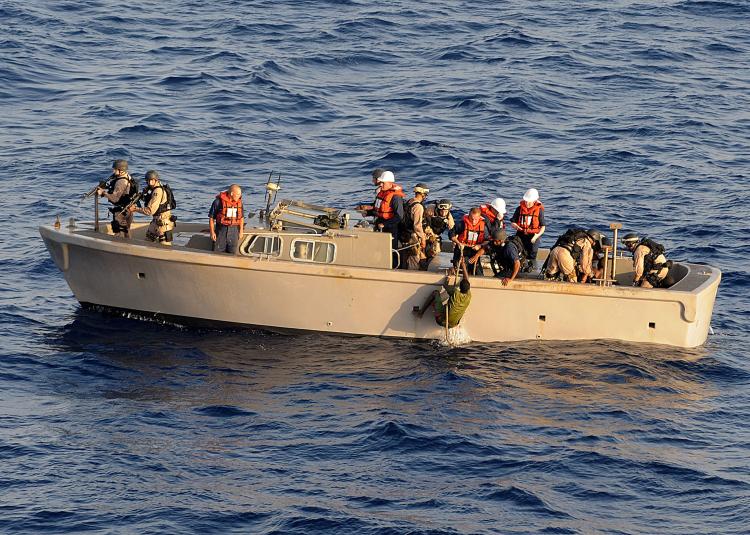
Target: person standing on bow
<point>158,203</point>
<point>468,236</point>
<point>389,207</point>
<point>120,191</point>
<point>494,215</point>
<point>226,220</point>
<point>528,220</point>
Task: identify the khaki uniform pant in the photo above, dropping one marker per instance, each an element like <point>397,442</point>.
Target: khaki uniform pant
<point>561,261</point>
<point>159,225</point>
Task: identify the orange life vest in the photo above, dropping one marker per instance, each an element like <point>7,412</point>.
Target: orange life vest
<point>230,214</point>
<point>383,208</point>
<point>528,218</point>
<point>472,233</point>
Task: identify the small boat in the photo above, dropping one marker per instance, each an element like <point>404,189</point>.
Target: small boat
<point>293,272</point>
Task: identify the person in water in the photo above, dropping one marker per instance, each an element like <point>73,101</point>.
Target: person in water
<point>120,191</point>
<point>459,298</point>
<point>226,220</point>
<point>158,203</point>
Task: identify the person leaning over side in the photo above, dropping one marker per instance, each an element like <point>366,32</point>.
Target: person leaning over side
<point>120,191</point>
<point>468,236</point>
<point>572,257</point>
<point>158,203</point>
<point>506,256</point>
<point>650,265</point>
<point>494,215</point>
<point>528,220</point>
<point>413,228</point>
<point>226,220</point>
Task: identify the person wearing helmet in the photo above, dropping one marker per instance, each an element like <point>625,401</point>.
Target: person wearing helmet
<point>494,214</point>
<point>120,191</point>
<point>369,209</point>
<point>158,202</point>
<point>468,237</point>
<point>528,220</point>
<point>506,255</point>
<point>413,233</point>
<point>389,207</point>
<point>437,219</point>
<point>650,264</point>
<point>571,258</point>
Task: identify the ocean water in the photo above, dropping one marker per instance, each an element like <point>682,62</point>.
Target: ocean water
<point>629,111</point>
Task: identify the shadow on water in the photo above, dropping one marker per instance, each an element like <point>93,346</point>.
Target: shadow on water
<point>135,359</point>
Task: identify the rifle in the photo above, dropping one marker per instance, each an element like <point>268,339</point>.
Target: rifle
<point>101,185</point>
<point>135,200</point>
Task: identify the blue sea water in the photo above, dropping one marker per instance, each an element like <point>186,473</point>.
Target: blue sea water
<point>630,111</point>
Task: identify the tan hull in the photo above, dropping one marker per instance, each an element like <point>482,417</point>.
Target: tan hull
<point>369,301</point>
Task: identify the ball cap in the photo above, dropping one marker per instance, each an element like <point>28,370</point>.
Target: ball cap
<point>421,188</point>
<point>531,195</point>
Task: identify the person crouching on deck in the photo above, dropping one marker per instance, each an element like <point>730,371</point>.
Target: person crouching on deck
<point>468,236</point>
<point>226,220</point>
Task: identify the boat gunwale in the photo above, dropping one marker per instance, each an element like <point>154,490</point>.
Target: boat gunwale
<point>110,244</point>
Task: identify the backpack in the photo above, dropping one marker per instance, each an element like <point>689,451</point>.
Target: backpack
<point>171,203</point>
<point>655,249</point>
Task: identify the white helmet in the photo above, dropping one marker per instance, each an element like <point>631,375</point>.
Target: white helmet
<point>531,195</point>
<point>387,176</point>
<point>499,205</point>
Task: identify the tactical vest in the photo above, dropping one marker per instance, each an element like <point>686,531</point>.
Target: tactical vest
<point>126,197</point>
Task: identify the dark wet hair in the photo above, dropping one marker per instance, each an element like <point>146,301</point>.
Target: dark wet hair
<point>464,286</point>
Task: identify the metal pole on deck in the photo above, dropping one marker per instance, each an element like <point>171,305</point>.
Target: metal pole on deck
<point>96,212</point>
<point>614,227</point>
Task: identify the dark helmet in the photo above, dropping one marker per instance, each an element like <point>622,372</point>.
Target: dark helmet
<point>377,172</point>
<point>421,188</point>
<point>499,235</point>
<point>606,242</point>
<point>444,204</point>
<point>120,165</point>
<point>596,236</point>
<point>631,237</point>
<point>152,175</point>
